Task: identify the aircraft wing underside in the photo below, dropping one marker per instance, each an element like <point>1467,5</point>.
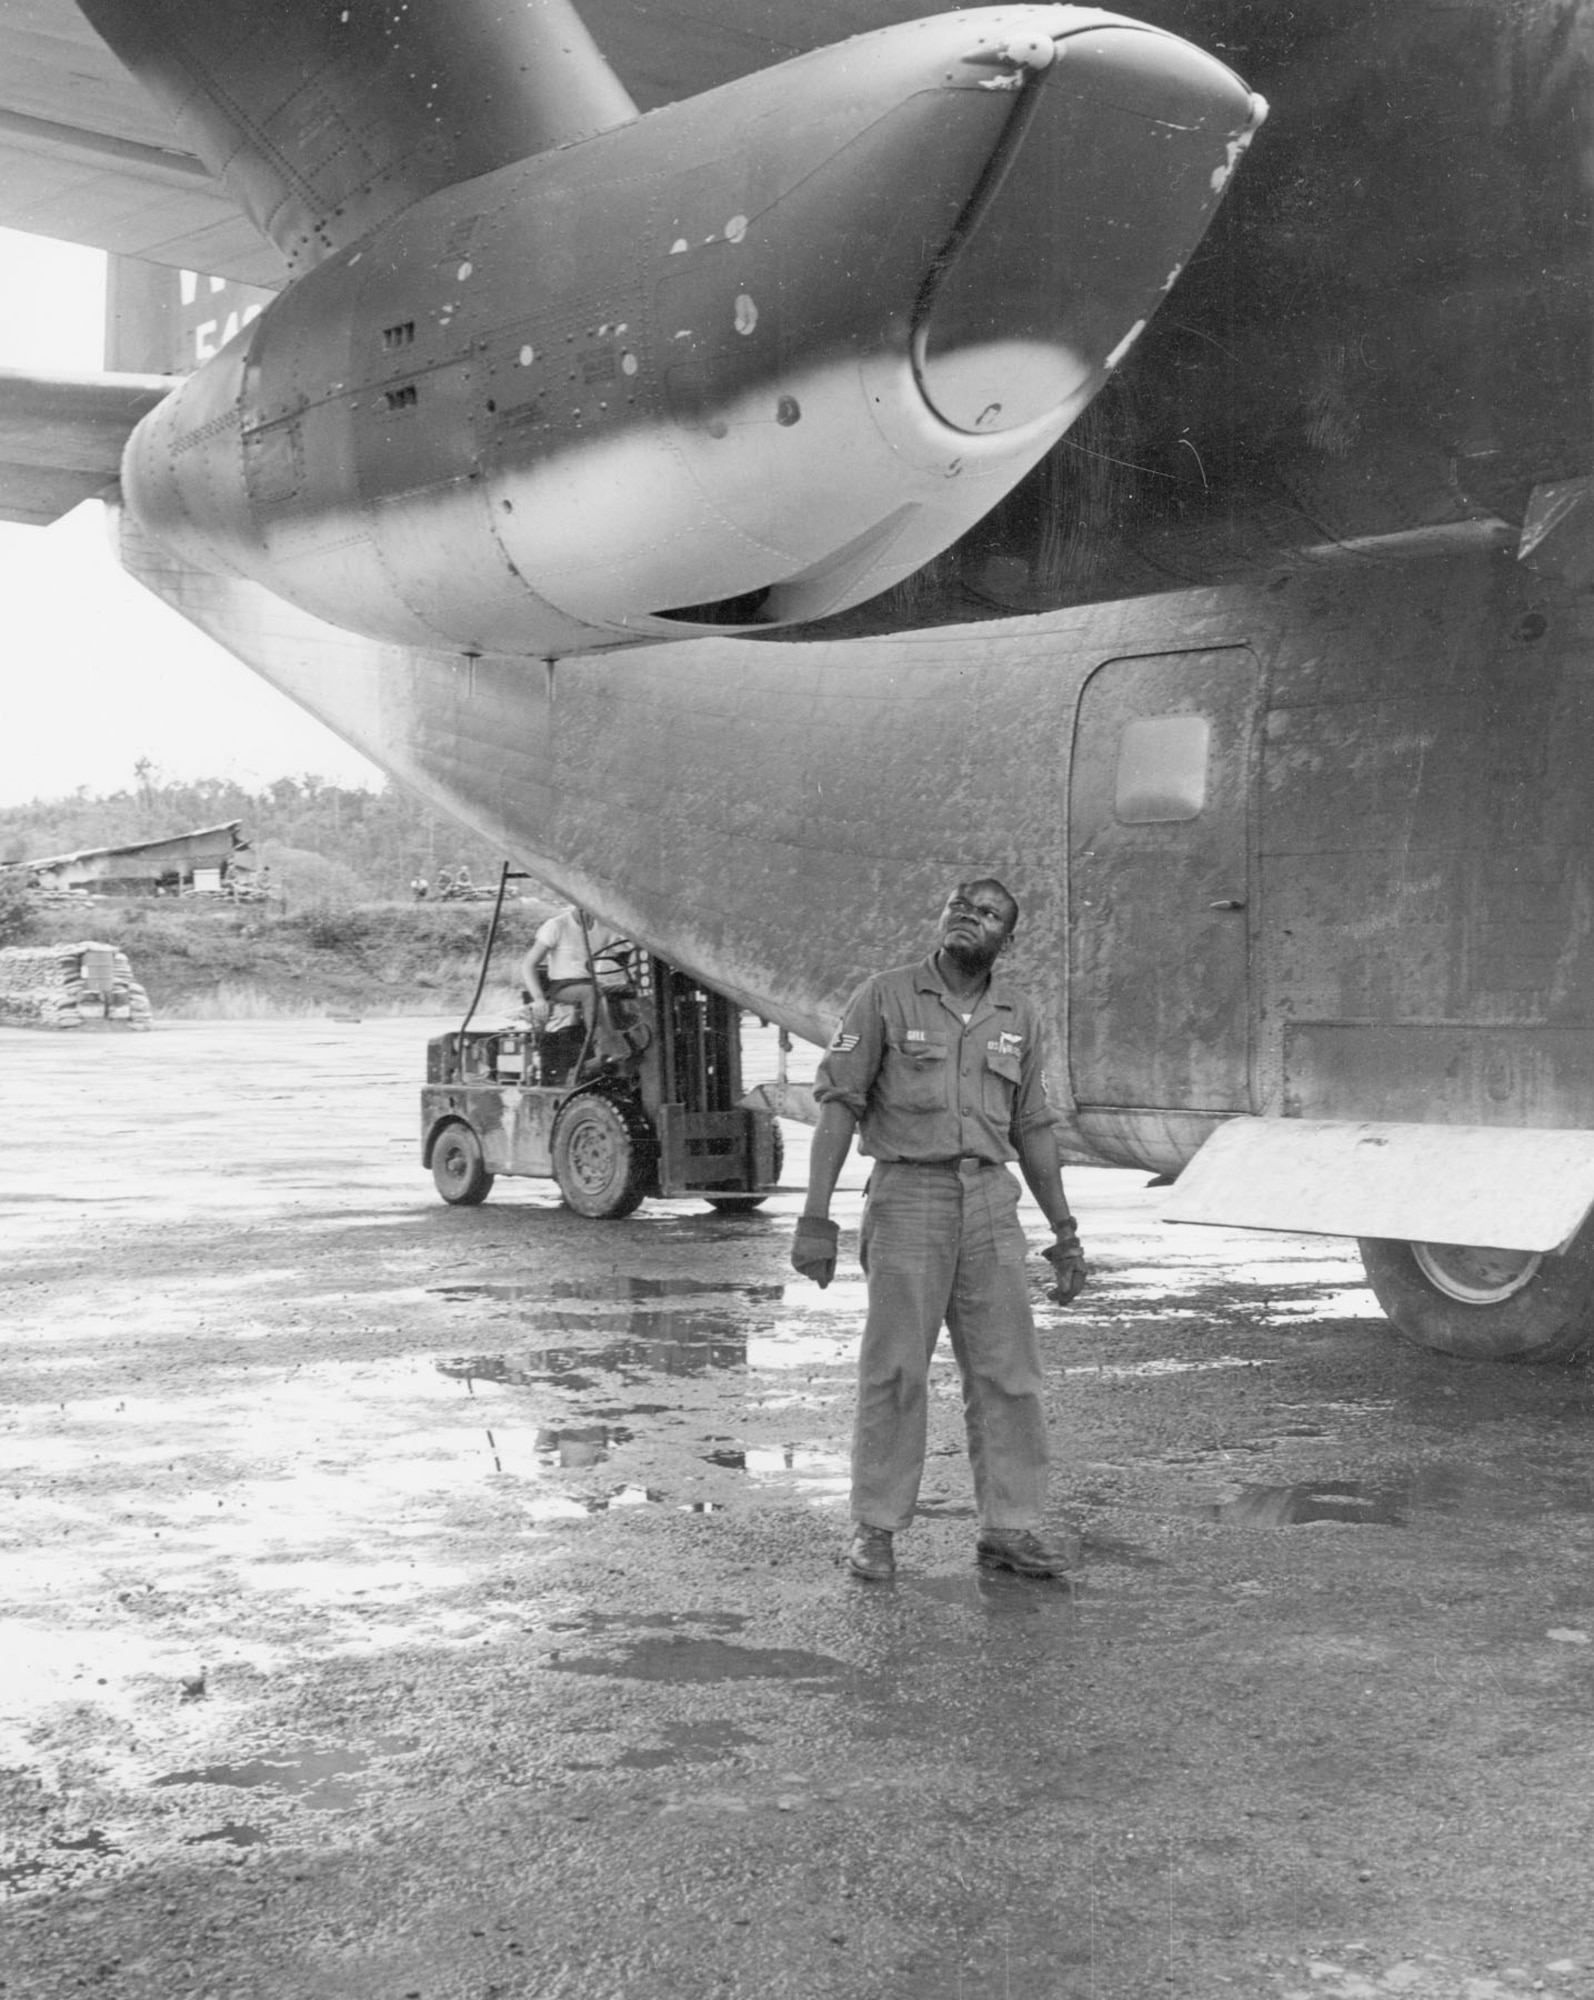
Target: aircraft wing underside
<point>87,155</point>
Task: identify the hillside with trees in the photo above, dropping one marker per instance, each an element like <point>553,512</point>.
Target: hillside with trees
<point>325,844</point>
<point>339,930</point>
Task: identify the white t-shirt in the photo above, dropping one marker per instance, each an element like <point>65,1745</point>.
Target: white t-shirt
<point>566,954</point>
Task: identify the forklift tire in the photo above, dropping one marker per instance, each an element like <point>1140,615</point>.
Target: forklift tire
<point>601,1158</point>
<point>458,1169</point>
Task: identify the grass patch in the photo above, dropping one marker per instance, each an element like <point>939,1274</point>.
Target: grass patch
<point>199,962</point>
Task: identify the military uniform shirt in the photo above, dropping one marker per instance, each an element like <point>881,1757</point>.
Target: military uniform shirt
<point>926,1086</point>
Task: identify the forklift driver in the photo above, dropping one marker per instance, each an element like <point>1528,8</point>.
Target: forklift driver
<point>557,971</point>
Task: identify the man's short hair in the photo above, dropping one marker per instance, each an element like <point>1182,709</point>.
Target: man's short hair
<point>1001,888</point>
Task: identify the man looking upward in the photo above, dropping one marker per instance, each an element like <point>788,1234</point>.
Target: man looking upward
<point>938,1068</point>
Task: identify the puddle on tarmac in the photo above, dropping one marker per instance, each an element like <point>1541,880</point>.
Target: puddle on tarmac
<point>1168,1366</point>
<point>690,1659</point>
<point>1448,1491</point>
<point>1299,1506</point>
<point>690,1743</point>
<point>810,1465</point>
<point>14,1874</point>
<point>577,1506</point>
<point>626,1325</point>
<point>233,1833</point>
<point>692,1349</point>
<point>618,1287</point>
<point>631,1621</point>
<point>1000,1594</point>
<point>92,1842</point>
<point>319,1777</point>
<point>578,1445</point>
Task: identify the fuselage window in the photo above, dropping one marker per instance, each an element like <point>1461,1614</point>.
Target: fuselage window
<point>1162,769</point>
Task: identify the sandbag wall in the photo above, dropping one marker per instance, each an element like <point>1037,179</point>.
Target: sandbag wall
<point>70,986</point>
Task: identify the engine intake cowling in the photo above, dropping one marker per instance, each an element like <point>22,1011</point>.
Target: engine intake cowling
<point>744,362</point>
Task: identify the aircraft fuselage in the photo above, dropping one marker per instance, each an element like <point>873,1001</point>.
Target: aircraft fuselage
<point>1317,851</point>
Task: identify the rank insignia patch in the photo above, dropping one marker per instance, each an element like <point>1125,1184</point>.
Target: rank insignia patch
<point>843,1045</point>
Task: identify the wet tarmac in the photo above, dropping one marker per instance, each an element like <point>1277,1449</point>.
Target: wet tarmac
<point>408,1601</point>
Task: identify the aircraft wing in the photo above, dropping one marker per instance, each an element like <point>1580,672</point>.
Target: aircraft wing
<point>88,156</point>
<point>61,438</point>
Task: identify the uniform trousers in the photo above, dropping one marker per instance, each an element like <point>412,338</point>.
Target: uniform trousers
<point>941,1244</point>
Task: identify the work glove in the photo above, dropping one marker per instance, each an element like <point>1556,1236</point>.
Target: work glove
<point>813,1248</point>
<point>1067,1259</point>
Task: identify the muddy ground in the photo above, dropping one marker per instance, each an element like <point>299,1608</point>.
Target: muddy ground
<point>415,1602</point>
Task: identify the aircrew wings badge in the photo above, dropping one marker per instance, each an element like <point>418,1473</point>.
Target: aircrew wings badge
<point>843,1044</point>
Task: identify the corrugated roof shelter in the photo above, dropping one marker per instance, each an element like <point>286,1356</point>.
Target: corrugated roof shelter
<point>198,860</point>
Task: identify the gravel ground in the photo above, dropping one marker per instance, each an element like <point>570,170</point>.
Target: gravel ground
<point>407,1601</point>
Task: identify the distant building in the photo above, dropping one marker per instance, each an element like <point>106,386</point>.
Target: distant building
<point>204,862</point>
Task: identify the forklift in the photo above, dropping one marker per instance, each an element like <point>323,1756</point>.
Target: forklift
<point>642,1100</point>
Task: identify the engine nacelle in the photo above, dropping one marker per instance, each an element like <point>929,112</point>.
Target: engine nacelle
<point>744,362</point>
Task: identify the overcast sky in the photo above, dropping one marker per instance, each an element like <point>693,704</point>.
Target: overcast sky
<point>94,671</point>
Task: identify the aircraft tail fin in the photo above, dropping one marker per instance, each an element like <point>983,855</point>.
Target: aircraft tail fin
<point>163,321</point>
<point>324,120</point>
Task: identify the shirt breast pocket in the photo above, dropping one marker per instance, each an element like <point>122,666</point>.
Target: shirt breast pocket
<point>1002,1079</point>
<point>916,1076</point>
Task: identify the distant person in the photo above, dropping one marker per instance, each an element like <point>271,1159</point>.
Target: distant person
<point>557,971</point>
<point>938,1067</point>
<point>418,888</point>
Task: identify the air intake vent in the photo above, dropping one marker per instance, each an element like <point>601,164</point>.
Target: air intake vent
<point>751,608</point>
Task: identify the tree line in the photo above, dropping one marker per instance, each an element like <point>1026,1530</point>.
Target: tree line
<point>374,842</point>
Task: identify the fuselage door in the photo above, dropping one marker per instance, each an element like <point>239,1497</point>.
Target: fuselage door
<point>1160,915</point>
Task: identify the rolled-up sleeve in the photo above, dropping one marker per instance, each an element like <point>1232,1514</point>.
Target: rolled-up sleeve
<point>1032,1107</point>
<point>852,1061</point>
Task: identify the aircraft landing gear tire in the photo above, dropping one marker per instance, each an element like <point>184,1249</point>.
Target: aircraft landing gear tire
<point>1486,1305</point>
<point>601,1157</point>
<point>459,1172</point>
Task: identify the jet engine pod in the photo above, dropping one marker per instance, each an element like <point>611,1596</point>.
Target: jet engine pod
<point>741,363</point>
<point>1101,189</point>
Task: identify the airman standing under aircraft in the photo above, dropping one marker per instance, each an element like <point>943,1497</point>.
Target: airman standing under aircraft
<point>938,1067</point>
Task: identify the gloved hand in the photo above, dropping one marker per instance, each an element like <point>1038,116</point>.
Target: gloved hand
<point>1067,1259</point>
<point>813,1248</point>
